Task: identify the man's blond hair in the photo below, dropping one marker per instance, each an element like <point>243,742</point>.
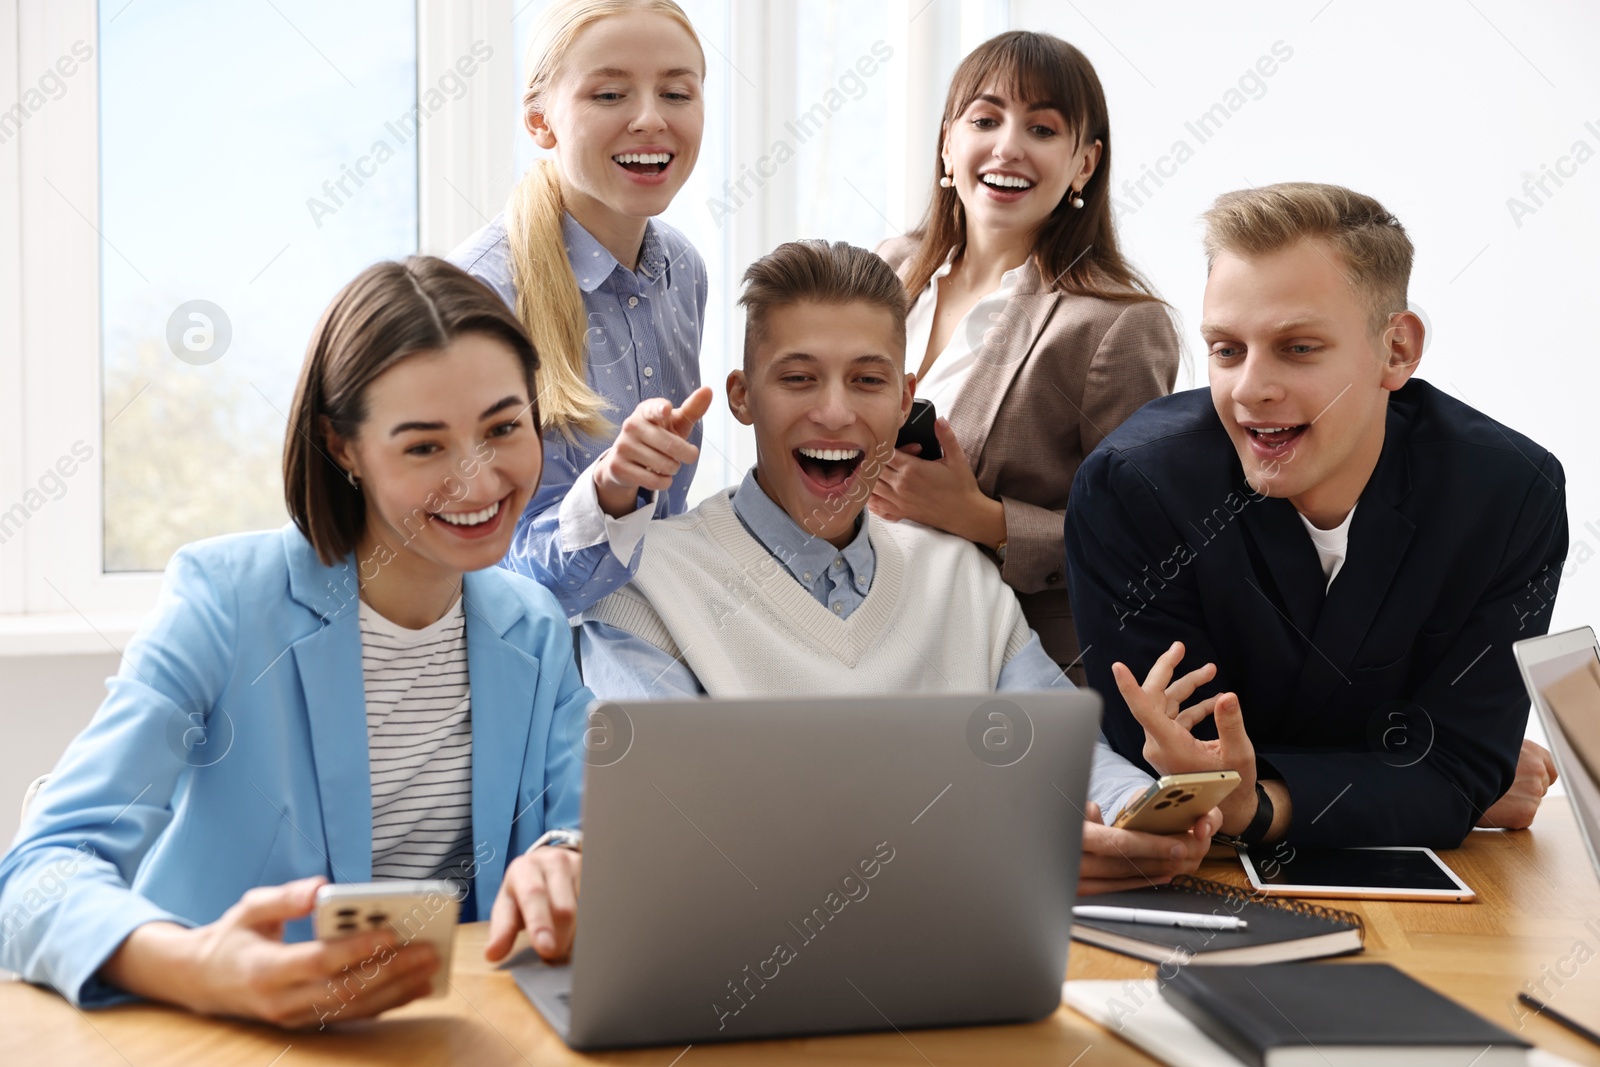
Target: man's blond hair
<point>1375,250</point>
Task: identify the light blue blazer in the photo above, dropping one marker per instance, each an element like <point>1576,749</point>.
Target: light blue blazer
<point>231,752</point>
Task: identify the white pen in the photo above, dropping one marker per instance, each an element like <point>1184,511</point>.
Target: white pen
<point>1150,917</point>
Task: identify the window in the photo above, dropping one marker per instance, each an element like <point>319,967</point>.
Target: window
<point>230,217</point>
<point>843,58</point>
<point>193,183</point>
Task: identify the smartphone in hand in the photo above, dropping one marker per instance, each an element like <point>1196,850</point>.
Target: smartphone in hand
<point>918,430</point>
<point>1174,801</point>
<point>422,909</point>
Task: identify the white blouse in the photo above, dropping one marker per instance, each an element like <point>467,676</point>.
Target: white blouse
<point>965,347</point>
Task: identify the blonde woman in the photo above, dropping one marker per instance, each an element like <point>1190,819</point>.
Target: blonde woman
<point>1028,329</point>
<point>613,298</point>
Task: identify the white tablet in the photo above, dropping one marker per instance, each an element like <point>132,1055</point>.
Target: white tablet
<point>1409,873</point>
<point>1566,667</point>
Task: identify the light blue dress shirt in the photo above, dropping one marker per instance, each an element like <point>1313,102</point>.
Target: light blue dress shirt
<point>618,665</point>
<point>645,330</point>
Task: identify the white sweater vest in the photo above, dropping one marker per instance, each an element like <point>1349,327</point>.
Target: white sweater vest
<point>937,618</point>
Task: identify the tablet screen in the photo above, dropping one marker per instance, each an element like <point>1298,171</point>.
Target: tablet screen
<point>1356,868</point>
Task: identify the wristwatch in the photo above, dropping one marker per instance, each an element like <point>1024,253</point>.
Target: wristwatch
<point>1256,832</point>
<point>569,839</point>
<point>1000,553</point>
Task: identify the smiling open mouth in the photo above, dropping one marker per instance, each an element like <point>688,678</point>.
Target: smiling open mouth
<point>643,162</point>
<point>829,468</point>
<point>470,518</point>
<point>1274,440</point>
<point>473,524</point>
<point>1006,182</point>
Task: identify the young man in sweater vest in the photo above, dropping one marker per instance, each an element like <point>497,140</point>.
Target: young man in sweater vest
<point>788,585</point>
<point>1343,552</point>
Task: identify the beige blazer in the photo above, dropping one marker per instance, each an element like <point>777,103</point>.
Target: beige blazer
<point>1061,372</point>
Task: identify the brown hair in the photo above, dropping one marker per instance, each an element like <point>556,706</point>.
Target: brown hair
<point>836,273</point>
<point>549,302</point>
<point>388,313</point>
<point>1373,244</point>
<point>1075,249</point>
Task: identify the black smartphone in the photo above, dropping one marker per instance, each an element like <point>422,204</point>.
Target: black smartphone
<point>918,430</point>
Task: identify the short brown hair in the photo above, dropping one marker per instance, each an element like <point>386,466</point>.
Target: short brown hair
<point>836,273</point>
<point>1375,248</point>
<point>388,313</point>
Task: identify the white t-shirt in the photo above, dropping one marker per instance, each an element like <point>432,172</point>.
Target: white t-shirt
<point>419,737</point>
<point>1332,545</point>
<point>962,351</point>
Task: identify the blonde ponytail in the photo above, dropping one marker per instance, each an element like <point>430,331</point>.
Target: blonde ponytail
<point>549,302</point>
<point>550,305</point>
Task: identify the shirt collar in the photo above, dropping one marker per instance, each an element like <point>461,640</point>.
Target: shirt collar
<point>800,551</point>
<point>592,264</point>
<point>1008,280</point>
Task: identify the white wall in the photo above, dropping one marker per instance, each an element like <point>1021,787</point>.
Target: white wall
<point>1438,110</point>
<point>44,701</point>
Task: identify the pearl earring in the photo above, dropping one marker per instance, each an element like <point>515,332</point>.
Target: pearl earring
<point>946,182</point>
<point>1076,200</point>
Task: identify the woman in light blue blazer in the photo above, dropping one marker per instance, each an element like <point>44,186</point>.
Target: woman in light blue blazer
<point>176,849</point>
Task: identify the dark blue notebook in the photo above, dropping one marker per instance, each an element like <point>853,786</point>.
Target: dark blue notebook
<point>1279,930</point>
<point>1332,1015</point>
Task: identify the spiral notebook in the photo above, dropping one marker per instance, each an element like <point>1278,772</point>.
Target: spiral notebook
<point>1280,929</point>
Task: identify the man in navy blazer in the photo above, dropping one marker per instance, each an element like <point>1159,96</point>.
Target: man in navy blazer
<point>1343,554</point>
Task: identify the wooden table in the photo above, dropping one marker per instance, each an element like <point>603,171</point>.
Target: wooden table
<point>1538,919</point>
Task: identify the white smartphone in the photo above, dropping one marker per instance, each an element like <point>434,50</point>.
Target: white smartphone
<point>1391,873</point>
<point>1174,801</point>
<point>427,910</point>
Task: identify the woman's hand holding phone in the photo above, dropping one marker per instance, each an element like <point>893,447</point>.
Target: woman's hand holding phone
<point>240,966</point>
<point>942,493</point>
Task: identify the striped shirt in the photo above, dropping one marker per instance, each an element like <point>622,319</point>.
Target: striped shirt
<point>419,737</point>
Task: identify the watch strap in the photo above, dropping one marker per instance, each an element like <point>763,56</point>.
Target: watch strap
<point>568,839</point>
<point>1256,832</point>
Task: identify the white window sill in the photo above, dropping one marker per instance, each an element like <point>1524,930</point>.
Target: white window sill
<point>67,633</point>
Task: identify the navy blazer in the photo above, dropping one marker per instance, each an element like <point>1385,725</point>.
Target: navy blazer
<point>1390,705</point>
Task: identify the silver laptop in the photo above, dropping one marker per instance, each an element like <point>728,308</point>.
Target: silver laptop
<point>763,868</point>
<point>1570,660</point>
